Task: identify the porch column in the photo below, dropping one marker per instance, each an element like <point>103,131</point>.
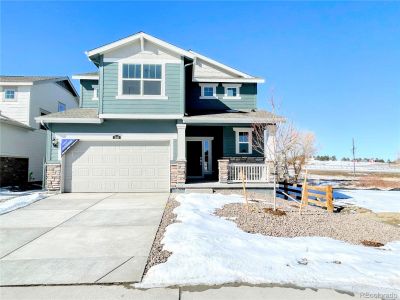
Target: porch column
<point>270,142</point>
<point>181,142</point>
<point>181,155</point>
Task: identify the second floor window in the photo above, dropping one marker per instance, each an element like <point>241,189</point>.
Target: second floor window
<point>61,107</point>
<point>9,95</point>
<point>141,79</point>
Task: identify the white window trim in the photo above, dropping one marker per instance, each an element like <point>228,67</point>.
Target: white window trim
<point>213,85</point>
<point>95,90</point>
<point>250,142</point>
<point>237,86</point>
<point>10,89</point>
<point>120,96</point>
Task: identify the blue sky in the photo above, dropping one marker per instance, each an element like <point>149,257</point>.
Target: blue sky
<point>333,68</point>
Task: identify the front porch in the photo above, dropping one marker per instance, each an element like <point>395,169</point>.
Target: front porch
<point>212,153</point>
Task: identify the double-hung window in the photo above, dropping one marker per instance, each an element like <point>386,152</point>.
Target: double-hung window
<point>243,137</point>
<point>9,94</point>
<point>208,90</point>
<point>232,91</point>
<point>142,80</point>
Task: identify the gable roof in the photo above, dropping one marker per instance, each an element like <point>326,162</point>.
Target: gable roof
<point>241,76</point>
<point>31,80</point>
<point>138,36</point>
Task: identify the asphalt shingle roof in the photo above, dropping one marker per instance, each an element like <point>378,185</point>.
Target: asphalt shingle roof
<point>78,113</point>
<point>258,116</point>
<point>28,78</point>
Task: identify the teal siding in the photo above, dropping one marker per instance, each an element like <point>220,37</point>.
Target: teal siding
<point>51,151</point>
<point>229,144</point>
<point>174,89</point>
<point>87,94</point>
<point>248,101</point>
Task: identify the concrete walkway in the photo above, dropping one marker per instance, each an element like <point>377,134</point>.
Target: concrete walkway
<point>79,238</point>
<point>109,292</point>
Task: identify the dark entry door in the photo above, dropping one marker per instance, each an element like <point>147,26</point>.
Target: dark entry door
<point>194,158</point>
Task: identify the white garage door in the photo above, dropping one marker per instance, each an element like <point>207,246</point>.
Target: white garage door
<point>117,167</point>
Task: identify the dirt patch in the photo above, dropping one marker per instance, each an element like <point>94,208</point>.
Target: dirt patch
<point>371,243</point>
<point>347,226</point>
<point>157,254</point>
<point>276,212</point>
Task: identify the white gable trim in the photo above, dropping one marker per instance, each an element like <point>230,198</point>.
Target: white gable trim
<point>222,66</point>
<point>139,36</point>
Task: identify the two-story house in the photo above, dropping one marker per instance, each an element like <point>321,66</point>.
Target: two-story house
<point>153,117</point>
<point>22,140</point>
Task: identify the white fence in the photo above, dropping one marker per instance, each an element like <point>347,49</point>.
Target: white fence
<point>251,172</point>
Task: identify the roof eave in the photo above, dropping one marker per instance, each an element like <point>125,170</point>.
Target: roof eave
<point>69,120</point>
<point>87,77</point>
<point>212,79</point>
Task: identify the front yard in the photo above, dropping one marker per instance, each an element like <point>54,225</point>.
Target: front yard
<point>214,240</point>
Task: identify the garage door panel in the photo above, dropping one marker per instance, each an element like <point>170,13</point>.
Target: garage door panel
<point>117,167</point>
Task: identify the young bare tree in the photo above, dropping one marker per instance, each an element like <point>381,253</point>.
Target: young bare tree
<point>292,148</point>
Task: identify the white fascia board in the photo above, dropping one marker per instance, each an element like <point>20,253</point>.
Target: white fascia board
<point>233,80</point>
<point>223,121</point>
<point>84,136</point>
<point>89,77</point>
<point>70,120</point>
<point>220,65</point>
<point>135,37</point>
<point>140,116</point>
<point>2,83</point>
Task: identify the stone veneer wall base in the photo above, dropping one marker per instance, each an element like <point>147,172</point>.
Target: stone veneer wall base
<point>53,177</point>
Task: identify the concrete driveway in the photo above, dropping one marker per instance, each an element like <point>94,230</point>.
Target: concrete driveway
<point>79,238</point>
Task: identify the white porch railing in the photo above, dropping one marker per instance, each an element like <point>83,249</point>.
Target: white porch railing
<point>252,172</point>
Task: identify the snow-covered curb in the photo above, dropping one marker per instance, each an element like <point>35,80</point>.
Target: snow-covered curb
<point>210,250</point>
<point>377,201</point>
<point>21,201</point>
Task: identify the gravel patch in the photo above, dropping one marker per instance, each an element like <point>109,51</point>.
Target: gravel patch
<point>157,254</point>
<point>345,226</point>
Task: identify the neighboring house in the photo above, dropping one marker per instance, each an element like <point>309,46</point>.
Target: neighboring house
<point>154,117</point>
<point>22,139</point>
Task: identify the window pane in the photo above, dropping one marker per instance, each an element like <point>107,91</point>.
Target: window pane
<point>131,87</point>
<point>158,71</point>
<point>243,137</point>
<point>231,92</point>
<point>243,148</point>
<point>61,107</point>
<point>9,94</point>
<point>131,71</point>
<point>208,91</point>
<point>152,71</point>
<point>151,87</point>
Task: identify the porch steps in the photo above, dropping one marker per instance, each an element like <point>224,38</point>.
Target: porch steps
<point>201,191</point>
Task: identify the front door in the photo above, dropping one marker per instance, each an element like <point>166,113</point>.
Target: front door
<point>194,150</point>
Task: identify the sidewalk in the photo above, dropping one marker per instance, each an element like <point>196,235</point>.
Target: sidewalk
<point>100,292</point>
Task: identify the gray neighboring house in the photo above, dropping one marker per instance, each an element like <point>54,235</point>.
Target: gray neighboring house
<point>22,139</point>
<point>155,117</point>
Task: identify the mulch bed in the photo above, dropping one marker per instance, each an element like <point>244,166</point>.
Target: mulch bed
<point>346,226</point>
<point>157,254</point>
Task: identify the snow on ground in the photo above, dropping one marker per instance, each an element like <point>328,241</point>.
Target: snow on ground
<point>210,250</point>
<point>377,201</point>
<point>348,166</point>
<point>13,200</point>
